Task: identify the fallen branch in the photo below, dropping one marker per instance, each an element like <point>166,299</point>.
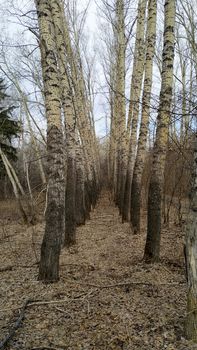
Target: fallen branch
<point>17,324</point>
<point>48,302</point>
<point>12,267</point>
<point>6,268</point>
<point>38,303</point>
<point>44,348</point>
<point>4,239</point>
<point>64,312</point>
<point>128,284</point>
<point>89,266</point>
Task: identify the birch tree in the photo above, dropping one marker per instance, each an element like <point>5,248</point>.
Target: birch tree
<point>82,115</point>
<point>134,104</point>
<point>191,255</point>
<point>146,101</point>
<point>152,248</point>
<point>59,20</point>
<point>54,229</point>
<point>121,154</point>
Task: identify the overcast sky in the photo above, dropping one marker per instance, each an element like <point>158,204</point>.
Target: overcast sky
<point>10,26</point>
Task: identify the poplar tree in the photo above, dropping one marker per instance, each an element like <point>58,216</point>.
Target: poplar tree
<point>55,212</point>
<point>191,254</point>
<point>59,20</point>
<point>152,248</point>
<point>144,125</point>
<point>134,104</point>
<point>120,108</point>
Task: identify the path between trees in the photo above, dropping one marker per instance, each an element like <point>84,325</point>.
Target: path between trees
<point>107,298</point>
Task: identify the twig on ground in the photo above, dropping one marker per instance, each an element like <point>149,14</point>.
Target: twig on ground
<point>40,302</point>
<point>6,268</point>
<point>45,348</point>
<point>17,324</point>
<point>87,266</point>
<point>12,267</point>
<point>33,303</point>
<point>128,284</point>
<point>64,312</point>
<point>6,238</point>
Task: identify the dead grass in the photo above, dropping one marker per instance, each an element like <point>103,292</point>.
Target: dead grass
<point>96,306</point>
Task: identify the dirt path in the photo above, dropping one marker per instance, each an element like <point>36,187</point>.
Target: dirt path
<point>107,298</point>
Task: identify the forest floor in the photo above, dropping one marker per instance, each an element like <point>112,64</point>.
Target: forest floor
<point>107,297</point>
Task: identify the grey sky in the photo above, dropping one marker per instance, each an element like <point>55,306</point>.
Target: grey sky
<point>14,31</point>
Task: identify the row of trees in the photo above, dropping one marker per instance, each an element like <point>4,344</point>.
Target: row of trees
<point>68,156</point>
<point>134,138</point>
<point>126,159</point>
<point>145,127</point>
<point>72,150</point>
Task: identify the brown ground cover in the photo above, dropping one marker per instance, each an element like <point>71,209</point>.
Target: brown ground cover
<point>107,298</point>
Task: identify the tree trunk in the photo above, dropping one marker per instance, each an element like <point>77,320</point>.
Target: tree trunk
<point>55,223</point>
<point>120,110</point>
<point>80,199</point>
<point>15,182</point>
<point>191,256</point>
<point>146,100</point>
<point>59,20</point>
<point>70,218</point>
<point>133,114</point>
<point>152,248</point>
